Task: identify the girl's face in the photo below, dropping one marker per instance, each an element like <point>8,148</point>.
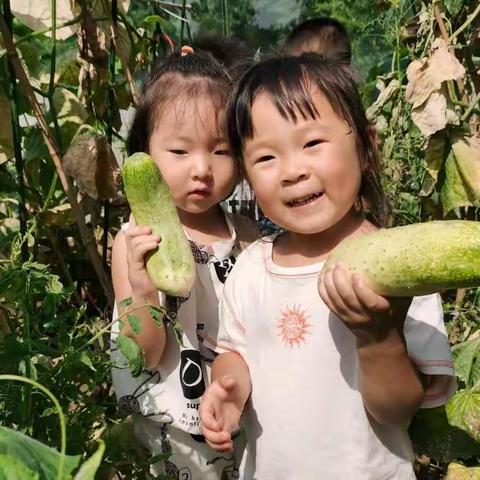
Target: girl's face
<point>306,175</point>
<point>193,156</point>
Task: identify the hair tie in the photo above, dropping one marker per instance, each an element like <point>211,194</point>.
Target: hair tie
<point>186,50</point>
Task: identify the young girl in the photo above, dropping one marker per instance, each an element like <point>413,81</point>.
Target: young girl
<point>334,378</point>
<point>179,123</point>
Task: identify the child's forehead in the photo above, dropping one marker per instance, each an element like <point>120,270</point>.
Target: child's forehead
<point>191,115</point>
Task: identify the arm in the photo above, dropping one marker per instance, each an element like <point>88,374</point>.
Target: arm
<point>223,402</point>
<point>130,279</point>
<point>390,386</point>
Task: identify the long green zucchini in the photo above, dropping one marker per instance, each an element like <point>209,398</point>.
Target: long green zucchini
<point>415,259</point>
<point>171,267</point>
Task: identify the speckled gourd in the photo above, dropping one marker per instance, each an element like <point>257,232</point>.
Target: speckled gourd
<point>171,267</point>
<point>415,259</point>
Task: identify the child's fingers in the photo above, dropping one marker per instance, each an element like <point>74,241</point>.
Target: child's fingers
<point>207,416</point>
<point>343,283</point>
<point>133,232</point>
<point>131,221</point>
<point>224,444</point>
<point>340,307</point>
<point>323,293</point>
<point>228,383</point>
<point>140,246</point>
<point>367,297</point>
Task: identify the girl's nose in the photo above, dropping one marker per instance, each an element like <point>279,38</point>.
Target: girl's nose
<point>293,170</point>
<point>202,167</point>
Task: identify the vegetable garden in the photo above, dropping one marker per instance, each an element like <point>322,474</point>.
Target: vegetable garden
<point>70,72</point>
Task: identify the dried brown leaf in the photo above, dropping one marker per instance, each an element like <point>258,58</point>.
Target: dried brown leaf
<point>467,157</point>
<point>36,14</point>
<point>460,472</point>
<point>434,114</point>
<point>91,162</point>
<point>385,94</point>
<point>434,158</point>
<point>426,76</point>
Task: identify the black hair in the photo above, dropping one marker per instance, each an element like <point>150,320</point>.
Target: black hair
<point>324,35</point>
<point>228,51</point>
<point>287,80</point>
<point>180,76</point>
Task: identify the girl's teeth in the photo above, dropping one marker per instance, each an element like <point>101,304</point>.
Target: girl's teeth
<point>305,200</point>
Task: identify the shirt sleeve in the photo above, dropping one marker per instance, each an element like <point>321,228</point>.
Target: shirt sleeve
<point>231,331</point>
<point>429,349</point>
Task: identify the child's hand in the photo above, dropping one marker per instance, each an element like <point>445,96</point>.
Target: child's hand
<point>220,413</point>
<point>140,242</point>
<point>369,316</point>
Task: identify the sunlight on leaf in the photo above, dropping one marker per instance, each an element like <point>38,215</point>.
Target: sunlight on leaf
<point>460,472</point>
<point>463,411</point>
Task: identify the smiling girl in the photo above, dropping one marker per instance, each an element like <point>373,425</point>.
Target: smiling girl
<point>334,378</point>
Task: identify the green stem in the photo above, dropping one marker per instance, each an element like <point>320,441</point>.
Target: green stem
<point>61,417</point>
<point>471,107</point>
<point>469,20</point>
<point>17,137</point>
<point>51,83</point>
<point>182,26</point>
<point>36,33</point>
<point>51,192</point>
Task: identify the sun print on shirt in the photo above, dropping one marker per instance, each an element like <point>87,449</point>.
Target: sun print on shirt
<point>293,326</point>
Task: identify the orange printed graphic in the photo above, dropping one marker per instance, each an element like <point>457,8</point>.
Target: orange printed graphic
<point>293,326</point>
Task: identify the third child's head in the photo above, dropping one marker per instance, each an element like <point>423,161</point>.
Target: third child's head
<point>179,122</point>
<point>298,129</point>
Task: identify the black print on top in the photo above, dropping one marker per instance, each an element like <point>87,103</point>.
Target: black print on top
<point>172,305</point>
<point>130,403</point>
<point>191,374</point>
<point>199,255</point>
<point>224,267</point>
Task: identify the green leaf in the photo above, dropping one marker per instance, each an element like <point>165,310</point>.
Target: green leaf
<point>465,359</point>
<point>132,352</point>
<point>54,285</point>
<point>135,323</point>
<point>35,455</point>
<point>154,19</point>
<point>453,6</point>
<point>453,193</point>
<point>158,314</point>
<point>432,435</point>
<point>85,359</point>
<point>460,472</point>
<point>88,469</point>
<point>125,303</point>
<point>463,411</point>
<point>178,331</point>
<point>12,469</point>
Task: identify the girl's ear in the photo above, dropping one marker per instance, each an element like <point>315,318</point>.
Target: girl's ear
<point>372,131</point>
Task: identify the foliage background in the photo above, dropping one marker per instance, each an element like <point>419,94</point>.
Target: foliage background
<point>66,90</point>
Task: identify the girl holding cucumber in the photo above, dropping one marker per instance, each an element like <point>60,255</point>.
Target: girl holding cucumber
<point>332,380</point>
<point>179,122</point>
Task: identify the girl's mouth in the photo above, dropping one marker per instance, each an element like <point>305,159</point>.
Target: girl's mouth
<point>199,193</point>
<point>305,200</point>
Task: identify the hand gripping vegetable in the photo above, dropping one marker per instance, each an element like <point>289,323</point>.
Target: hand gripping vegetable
<point>415,259</point>
<point>171,267</point>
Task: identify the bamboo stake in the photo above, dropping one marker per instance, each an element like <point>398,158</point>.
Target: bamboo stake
<point>85,234</point>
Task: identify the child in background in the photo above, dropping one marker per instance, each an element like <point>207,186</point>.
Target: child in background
<point>179,122</point>
<point>325,36</point>
<point>334,378</point>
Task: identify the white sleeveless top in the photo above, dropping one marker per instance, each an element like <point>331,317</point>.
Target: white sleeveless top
<point>165,401</point>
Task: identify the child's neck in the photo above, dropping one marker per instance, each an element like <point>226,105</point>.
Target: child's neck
<point>295,249</point>
<point>206,227</point>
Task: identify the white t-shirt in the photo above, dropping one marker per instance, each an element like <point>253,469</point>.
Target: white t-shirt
<point>165,402</point>
<point>306,419</point>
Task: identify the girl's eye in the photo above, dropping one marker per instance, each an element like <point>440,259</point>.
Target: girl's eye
<point>178,152</point>
<point>313,143</point>
<point>265,158</point>
<point>222,152</point>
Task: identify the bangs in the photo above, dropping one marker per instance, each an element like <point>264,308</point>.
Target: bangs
<point>289,88</point>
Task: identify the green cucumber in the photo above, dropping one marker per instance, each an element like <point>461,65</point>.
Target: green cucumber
<point>415,259</point>
<point>171,267</point>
